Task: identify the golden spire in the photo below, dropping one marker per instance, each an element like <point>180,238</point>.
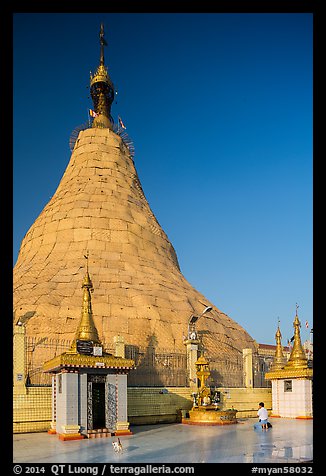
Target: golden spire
<point>298,359</point>
<point>102,90</point>
<point>279,359</point>
<point>86,330</point>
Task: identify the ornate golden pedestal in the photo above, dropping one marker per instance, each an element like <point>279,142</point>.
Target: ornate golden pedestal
<point>204,412</point>
<point>208,415</point>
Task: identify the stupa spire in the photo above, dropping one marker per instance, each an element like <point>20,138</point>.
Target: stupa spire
<point>279,360</point>
<point>102,43</point>
<point>102,90</point>
<point>297,358</point>
<point>86,330</point>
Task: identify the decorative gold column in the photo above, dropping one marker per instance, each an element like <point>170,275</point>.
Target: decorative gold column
<point>203,373</point>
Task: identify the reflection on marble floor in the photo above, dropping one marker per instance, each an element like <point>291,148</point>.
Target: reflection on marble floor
<point>289,441</point>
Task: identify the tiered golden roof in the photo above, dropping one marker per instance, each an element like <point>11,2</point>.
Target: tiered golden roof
<point>72,361</point>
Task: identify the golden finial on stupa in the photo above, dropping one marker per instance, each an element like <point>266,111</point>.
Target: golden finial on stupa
<point>102,90</point>
<point>86,331</point>
<point>298,359</point>
<point>279,359</point>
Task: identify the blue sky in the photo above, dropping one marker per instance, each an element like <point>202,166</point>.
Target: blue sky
<point>219,108</point>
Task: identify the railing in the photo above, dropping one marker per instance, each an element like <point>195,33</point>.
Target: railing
<point>40,350</point>
<point>157,367</point>
<point>154,367</point>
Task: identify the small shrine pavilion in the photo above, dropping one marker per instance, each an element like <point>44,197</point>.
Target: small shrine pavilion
<point>89,385</point>
<point>292,380</point>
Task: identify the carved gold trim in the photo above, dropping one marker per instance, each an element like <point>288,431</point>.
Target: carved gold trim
<point>289,373</point>
<point>80,360</point>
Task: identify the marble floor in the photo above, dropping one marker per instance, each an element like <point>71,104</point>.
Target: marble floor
<point>289,441</point>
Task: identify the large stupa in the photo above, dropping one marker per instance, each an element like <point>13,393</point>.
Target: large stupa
<point>99,210</point>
